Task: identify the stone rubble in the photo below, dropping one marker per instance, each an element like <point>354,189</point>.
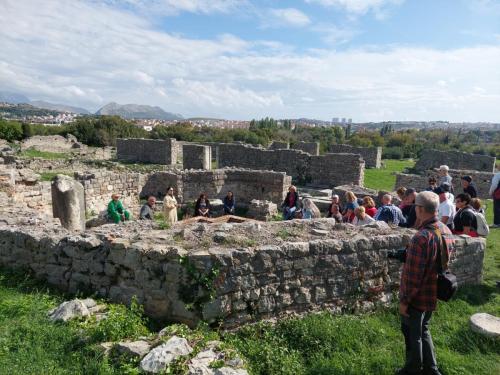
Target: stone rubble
<point>160,357</point>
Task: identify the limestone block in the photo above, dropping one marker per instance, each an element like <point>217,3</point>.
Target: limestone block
<point>68,202</point>
<point>485,324</point>
<point>159,358</point>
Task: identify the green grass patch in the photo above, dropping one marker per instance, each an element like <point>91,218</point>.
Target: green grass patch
<point>385,178</point>
<point>32,153</point>
<point>49,176</point>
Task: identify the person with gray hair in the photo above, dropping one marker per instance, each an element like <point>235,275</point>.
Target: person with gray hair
<point>389,213</point>
<point>445,178</point>
<point>418,286</point>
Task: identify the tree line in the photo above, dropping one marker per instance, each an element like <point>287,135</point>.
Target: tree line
<point>104,130</point>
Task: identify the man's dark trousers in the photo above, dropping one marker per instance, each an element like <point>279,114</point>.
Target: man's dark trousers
<point>496,213</point>
<point>418,342</point>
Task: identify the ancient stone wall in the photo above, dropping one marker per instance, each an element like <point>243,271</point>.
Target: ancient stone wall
<point>99,185</point>
<point>253,283</point>
<point>431,159</point>
<point>371,155</point>
<point>196,157</point>
<point>482,180</point>
<point>51,143</point>
<point>245,184</point>
<point>328,170</point>
<point>312,148</point>
<point>156,151</point>
<point>276,145</point>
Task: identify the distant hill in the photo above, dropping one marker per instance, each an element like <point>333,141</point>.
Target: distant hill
<point>59,107</point>
<point>137,111</point>
<point>13,98</point>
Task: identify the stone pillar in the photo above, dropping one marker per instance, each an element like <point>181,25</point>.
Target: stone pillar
<point>196,157</point>
<point>68,202</point>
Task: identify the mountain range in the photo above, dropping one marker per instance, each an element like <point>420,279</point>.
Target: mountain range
<point>127,111</point>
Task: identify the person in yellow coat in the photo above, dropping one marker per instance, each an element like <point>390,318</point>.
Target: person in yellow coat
<point>170,207</point>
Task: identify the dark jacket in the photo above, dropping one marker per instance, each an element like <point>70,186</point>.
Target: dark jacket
<point>285,202</point>
<point>229,204</point>
<point>197,207</point>
<point>410,215</point>
<point>471,190</point>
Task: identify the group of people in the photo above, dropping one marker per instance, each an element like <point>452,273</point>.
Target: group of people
<point>117,213</point>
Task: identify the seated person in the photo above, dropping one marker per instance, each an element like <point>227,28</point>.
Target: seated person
<point>432,184</point>
<point>446,209</point>
<point>116,212</point>
<point>409,209</point>
<point>202,206</point>
<point>468,186</point>
<point>147,210</point>
<point>389,213</point>
<point>291,203</point>
<point>310,210</point>
<point>401,195</point>
<point>477,205</point>
<point>351,205</point>
<point>465,221</point>
<point>362,218</point>
<point>229,203</point>
<point>369,205</point>
<point>334,212</point>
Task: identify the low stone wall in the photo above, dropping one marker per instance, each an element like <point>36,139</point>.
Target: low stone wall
<point>371,155</point>
<point>99,185</point>
<point>156,151</point>
<point>325,170</point>
<point>51,143</point>
<point>482,180</point>
<point>276,145</point>
<point>245,184</point>
<point>253,282</point>
<point>312,148</point>
<point>431,159</point>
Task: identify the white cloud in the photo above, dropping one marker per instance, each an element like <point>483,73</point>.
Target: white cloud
<point>173,7</point>
<point>88,54</point>
<point>288,16</point>
<point>356,6</point>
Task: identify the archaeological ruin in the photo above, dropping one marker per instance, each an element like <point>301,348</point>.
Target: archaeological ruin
<point>252,269</point>
<point>431,159</point>
<point>371,155</point>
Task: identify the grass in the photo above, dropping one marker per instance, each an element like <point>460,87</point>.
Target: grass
<point>48,176</point>
<point>316,344</point>
<point>385,178</point>
<point>32,153</point>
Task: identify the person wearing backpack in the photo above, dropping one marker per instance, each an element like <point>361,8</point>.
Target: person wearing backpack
<point>418,290</point>
<point>465,221</point>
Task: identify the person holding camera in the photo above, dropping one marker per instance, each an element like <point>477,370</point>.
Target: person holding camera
<point>418,286</point>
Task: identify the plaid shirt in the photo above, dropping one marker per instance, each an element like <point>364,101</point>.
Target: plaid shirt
<point>391,214</point>
<point>418,286</point>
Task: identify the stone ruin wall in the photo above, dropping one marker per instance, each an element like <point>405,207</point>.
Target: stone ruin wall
<point>245,184</point>
<point>155,151</point>
<point>371,155</point>
<point>196,156</point>
<point>253,283</point>
<point>99,185</point>
<point>431,159</point>
<point>312,148</point>
<point>327,170</point>
<point>482,180</point>
<point>276,145</point>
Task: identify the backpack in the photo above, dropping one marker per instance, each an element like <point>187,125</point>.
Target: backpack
<point>482,226</point>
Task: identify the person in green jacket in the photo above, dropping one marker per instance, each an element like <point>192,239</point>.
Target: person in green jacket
<point>116,212</point>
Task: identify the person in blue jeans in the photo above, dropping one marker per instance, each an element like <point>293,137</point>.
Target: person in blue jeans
<point>229,203</point>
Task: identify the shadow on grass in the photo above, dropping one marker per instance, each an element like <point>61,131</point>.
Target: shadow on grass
<point>476,295</point>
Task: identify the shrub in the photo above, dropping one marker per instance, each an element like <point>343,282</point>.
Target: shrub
<point>11,130</point>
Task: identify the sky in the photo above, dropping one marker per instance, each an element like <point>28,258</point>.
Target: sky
<point>369,60</point>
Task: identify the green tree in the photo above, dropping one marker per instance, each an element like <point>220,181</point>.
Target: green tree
<point>10,130</point>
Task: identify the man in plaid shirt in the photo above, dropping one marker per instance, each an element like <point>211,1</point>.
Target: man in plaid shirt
<point>418,287</point>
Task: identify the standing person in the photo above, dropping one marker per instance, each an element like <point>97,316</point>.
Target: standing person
<point>202,206</point>
<point>445,178</point>
<point>310,210</point>
<point>147,210</point>
<point>432,184</point>
<point>465,221</point>
<point>116,212</point>
<point>361,217</point>
<point>389,213</point>
<point>229,203</point>
<point>446,210</point>
<point>449,195</point>
<point>350,206</point>
<point>495,194</point>
<point>409,209</point>
<point>469,187</point>
<point>170,206</point>
<point>418,286</point>
<point>369,205</point>
<point>291,203</point>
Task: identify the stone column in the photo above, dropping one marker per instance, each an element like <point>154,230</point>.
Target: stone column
<point>68,202</point>
<point>196,157</point>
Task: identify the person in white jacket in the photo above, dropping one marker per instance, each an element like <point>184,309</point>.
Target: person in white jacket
<point>495,194</point>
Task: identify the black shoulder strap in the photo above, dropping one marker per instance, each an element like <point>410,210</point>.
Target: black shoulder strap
<point>441,247</point>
